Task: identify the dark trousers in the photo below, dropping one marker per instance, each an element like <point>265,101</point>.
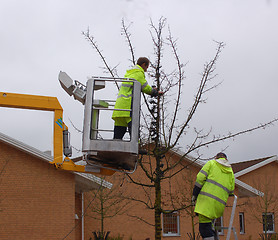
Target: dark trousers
<point>206,230</point>
<point>119,131</point>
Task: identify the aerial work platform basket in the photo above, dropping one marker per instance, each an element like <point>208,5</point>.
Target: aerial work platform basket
<point>98,146</point>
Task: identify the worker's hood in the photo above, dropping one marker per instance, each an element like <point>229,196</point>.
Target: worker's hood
<point>223,161</point>
<point>135,68</point>
<point>224,165</point>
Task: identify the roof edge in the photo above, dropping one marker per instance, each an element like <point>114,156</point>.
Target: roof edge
<point>254,192</point>
<point>256,166</point>
<point>193,160</point>
<point>25,148</point>
<point>47,158</point>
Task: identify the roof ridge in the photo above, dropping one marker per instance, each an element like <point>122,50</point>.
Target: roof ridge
<point>246,168</point>
<point>253,160</point>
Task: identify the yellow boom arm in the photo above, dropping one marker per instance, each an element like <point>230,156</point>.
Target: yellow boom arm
<point>24,101</point>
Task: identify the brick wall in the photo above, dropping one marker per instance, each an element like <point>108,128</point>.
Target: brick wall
<point>138,230</point>
<point>264,179</point>
<point>128,223</point>
<point>37,201</point>
<point>78,220</point>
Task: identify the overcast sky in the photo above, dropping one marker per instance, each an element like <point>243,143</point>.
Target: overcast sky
<point>40,38</point>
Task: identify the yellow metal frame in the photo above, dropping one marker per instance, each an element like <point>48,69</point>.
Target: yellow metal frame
<point>35,102</point>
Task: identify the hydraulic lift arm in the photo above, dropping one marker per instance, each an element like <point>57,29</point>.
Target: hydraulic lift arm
<point>44,103</point>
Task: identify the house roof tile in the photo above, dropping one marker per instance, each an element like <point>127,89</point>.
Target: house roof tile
<point>237,167</point>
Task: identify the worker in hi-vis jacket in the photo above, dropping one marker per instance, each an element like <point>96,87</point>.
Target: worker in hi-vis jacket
<point>123,118</point>
<point>214,184</point>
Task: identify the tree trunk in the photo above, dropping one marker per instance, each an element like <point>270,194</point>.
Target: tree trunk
<point>158,227</point>
<point>157,206</point>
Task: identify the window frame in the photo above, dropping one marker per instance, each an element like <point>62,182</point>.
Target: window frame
<point>241,223</point>
<point>171,234</point>
<point>273,222</point>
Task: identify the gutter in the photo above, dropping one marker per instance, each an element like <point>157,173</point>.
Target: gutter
<point>253,191</point>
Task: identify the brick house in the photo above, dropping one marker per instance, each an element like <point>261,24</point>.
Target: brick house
<point>262,175</point>
<point>37,201</point>
<point>178,225</point>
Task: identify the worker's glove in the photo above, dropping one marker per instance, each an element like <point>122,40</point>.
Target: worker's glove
<point>156,93</point>
<point>193,200</point>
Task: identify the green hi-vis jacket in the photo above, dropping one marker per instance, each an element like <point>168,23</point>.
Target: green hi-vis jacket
<point>125,94</point>
<point>216,183</point>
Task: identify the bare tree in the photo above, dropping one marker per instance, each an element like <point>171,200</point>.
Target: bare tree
<point>162,129</point>
<point>185,191</point>
<point>108,203</point>
<point>262,207</point>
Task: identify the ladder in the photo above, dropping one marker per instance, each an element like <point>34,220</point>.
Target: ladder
<point>230,227</point>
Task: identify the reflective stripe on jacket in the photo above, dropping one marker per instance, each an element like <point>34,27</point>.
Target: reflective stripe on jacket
<point>125,93</point>
<point>217,182</point>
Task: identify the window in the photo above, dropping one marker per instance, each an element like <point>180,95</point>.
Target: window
<point>268,222</point>
<point>171,224</point>
<point>219,225</point>
<point>241,223</point>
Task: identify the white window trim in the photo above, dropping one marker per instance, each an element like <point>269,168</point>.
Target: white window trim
<point>241,214</point>
<point>273,223</point>
<point>169,234</point>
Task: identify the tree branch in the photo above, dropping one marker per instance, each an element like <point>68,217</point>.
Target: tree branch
<point>141,219</point>
<point>95,46</point>
<point>127,36</point>
<point>209,69</point>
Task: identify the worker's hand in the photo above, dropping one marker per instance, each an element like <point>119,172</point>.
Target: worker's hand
<point>193,200</point>
<point>156,93</point>
<point>160,93</point>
